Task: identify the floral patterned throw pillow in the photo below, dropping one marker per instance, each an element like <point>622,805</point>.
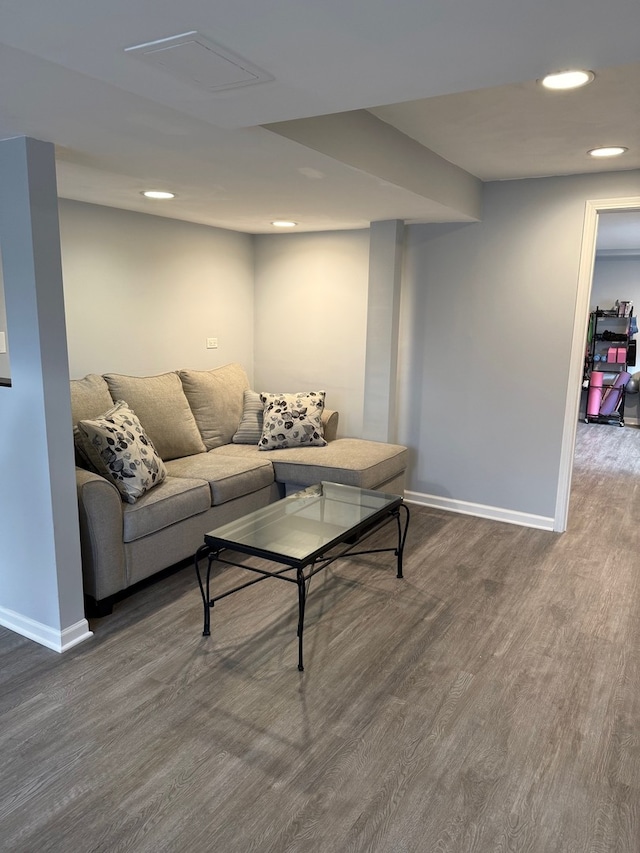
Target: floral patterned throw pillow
<point>119,450</point>
<point>292,420</point>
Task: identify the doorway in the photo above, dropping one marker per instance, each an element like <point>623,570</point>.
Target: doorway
<point>593,209</point>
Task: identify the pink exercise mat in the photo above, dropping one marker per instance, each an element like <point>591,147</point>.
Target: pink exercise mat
<point>611,397</point>
<point>594,400</point>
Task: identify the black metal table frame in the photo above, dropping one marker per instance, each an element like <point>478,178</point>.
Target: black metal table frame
<point>314,563</point>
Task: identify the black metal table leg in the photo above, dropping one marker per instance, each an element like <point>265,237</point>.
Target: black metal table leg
<point>302,596</point>
<point>206,630</point>
<point>402,535</point>
<point>205,551</point>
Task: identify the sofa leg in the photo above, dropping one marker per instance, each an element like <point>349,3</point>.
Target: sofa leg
<point>97,609</point>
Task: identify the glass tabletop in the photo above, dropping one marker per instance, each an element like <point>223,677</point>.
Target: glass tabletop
<point>302,525</point>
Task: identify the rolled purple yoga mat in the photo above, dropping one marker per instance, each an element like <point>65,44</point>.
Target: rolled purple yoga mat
<point>612,395</point>
<point>594,400</point>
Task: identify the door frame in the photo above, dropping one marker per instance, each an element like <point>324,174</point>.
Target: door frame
<point>593,209</point>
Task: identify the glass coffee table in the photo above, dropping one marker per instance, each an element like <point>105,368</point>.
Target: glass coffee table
<point>304,532</point>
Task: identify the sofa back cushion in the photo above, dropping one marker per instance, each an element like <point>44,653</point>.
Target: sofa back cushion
<point>90,397</point>
<point>163,410</point>
<point>216,398</point>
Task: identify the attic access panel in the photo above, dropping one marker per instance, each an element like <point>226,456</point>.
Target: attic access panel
<point>191,55</point>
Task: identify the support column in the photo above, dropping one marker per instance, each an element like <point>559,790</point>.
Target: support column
<point>383,313</point>
<point>41,594</point>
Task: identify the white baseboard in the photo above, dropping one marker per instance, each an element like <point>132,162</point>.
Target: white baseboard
<point>59,641</point>
<point>524,519</point>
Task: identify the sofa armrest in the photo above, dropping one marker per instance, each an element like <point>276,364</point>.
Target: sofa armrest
<point>330,424</point>
<point>101,535</point>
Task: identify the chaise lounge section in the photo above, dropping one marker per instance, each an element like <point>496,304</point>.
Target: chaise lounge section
<point>210,470</point>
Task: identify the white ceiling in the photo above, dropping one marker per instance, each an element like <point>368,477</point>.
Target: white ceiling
<point>456,76</point>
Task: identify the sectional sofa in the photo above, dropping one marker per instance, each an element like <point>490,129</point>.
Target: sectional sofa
<point>203,460</point>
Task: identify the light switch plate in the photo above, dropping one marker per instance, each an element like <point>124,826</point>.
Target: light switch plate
<point>212,343</point>
<point>3,342</point>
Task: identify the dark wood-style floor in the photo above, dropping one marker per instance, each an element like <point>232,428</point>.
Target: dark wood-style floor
<point>487,703</point>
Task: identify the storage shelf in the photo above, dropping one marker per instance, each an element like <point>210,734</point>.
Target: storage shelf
<point>612,367</point>
<point>603,326</point>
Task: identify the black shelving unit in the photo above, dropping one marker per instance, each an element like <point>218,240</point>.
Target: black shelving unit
<point>609,351</point>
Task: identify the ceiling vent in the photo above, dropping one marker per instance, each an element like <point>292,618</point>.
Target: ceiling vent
<point>206,64</point>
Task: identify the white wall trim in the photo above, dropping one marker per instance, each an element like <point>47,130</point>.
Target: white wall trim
<point>495,513</point>
<point>572,406</point>
<point>59,641</point>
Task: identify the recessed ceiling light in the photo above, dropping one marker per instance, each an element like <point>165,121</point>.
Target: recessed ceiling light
<point>609,151</point>
<point>567,79</point>
<point>284,223</point>
<point>158,194</point>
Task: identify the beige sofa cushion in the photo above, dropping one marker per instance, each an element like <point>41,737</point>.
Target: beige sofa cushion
<point>216,400</point>
<point>228,477</point>
<point>163,410</point>
<point>172,501</point>
<point>352,461</point>
<point>90,397</point>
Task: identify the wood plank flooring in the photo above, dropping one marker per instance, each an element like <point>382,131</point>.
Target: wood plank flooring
<point>487,703</point>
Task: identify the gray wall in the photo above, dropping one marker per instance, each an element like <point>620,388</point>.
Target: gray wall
<point>616,278</point>
<point>5,369</point>
<point>486,324</point>
<point>142,293</point>
<point>311,317</point>
<point>487,319</point>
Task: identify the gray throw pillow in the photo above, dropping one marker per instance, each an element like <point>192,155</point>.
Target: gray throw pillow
<point>250,429</point>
